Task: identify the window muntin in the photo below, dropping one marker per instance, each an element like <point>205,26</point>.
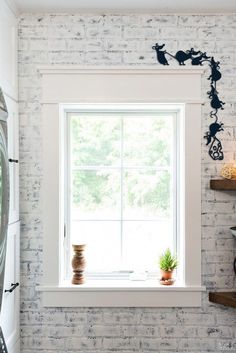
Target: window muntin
<point>121,187</point>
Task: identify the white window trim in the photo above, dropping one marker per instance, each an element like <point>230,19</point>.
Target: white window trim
<point>88,85</point>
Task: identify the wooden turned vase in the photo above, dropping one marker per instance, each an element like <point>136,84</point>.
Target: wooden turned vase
<point>78,264</point>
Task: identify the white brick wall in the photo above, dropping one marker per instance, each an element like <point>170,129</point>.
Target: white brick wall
<point>125,39</point>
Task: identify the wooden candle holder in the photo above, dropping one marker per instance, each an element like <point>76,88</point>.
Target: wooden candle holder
<point>78,264</point>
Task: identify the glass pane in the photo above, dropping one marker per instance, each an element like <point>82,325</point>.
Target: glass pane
<point>95,140</point>
<point>147,194</point>
<point>102,241</point>
<point>122,209</point>
<point>148,140</point>
<point>143,242</point>
<point>96,194</point>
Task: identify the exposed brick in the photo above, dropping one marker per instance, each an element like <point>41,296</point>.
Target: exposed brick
<point>125,39</point>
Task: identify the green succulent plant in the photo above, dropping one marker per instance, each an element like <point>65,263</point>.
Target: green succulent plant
<point>167,261</point>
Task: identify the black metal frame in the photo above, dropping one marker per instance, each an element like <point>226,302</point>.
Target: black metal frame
<point>198,58</point>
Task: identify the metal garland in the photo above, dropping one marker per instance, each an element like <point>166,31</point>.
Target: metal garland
<point>198,58</point>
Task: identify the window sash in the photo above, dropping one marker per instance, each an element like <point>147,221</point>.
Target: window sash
<point>123,272</point>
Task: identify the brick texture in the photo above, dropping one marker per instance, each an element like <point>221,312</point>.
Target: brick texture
<point>125,40</point>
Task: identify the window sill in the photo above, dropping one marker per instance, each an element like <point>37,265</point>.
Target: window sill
<point>117,293</point>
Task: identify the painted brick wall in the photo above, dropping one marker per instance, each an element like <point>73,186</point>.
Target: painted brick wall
<point>125,40</point>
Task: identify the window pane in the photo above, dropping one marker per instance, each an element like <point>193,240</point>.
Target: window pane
<point>148,140</point>
<point>143,242</point>
<point>96,194</point>
<point>147,194</point>
<point>122,189</point>
<point>102,241</point>
<point>95,140</point>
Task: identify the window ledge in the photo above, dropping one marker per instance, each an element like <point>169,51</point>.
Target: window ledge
<point>117,293</point>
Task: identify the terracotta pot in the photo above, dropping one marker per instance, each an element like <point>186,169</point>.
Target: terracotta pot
<point>166,275</point>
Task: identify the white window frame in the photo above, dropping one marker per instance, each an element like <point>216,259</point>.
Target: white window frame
<point>117,85</point>
<point>177,112</point>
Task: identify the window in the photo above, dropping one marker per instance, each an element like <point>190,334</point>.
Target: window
<point>121,186</point>
<point>105,186</point>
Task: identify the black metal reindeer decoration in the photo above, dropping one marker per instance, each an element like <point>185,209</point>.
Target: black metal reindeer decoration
<point>198,58</point>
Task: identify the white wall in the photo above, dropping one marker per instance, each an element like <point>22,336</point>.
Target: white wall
<point>125,40</point>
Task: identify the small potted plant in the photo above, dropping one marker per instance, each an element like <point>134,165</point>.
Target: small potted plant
<point>168,263</point>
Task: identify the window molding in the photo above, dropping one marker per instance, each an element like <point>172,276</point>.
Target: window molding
<point>86,85</point>
<point>121,294</point>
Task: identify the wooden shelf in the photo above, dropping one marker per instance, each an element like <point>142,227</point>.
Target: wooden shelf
<point>222,184</point>
<point>224,298</point>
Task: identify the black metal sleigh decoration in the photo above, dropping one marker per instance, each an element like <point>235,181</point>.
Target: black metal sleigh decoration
<point>198,58</point>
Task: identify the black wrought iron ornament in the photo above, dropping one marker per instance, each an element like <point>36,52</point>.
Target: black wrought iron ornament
<point>199,58</point>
